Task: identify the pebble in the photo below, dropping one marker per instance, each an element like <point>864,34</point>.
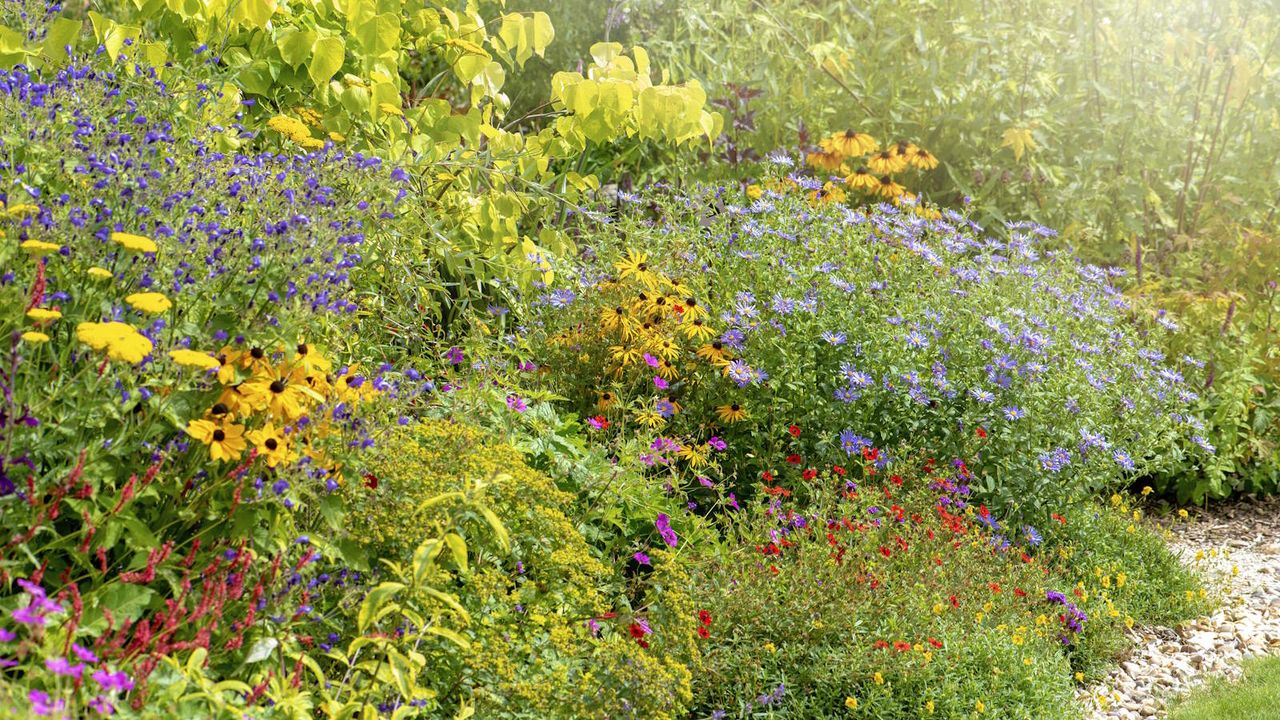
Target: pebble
<point>1168,662</point>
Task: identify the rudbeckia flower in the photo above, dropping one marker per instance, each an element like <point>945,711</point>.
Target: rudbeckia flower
<point>715,353</point>
<point>272,445</point>
<point>137,243</point>
<point>637,264</point>
<point>196,359</point>
<point>279,397</point>
<point>889,189</point>
<point>923,159</point>
<point>606,400</point>
<point>850,143</point>
<point>887,163</point>
<point>149,302</point>
<point>824,160</point>
<point>225,440</point>
<point>862,179</point>
<point>732,413</point>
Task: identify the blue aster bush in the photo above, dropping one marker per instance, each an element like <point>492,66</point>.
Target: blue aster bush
<point>882,327</point>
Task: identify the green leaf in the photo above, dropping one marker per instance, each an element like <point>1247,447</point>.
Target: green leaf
<point>62,32</point>
<point>295,46</point>
<point>327,56</point>
<point>374,600</point>
<point>261,650</point>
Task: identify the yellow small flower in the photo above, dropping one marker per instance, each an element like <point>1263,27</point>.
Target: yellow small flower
<point>137,243</point>
<point>337,137</point>
<point>21,209</point>
<point>149,302</point>
<point>1147,490</point>
<point>928,707</point>
<point>851,703</point>
<point>43,314</point>
<point>1079,677</point>
<point>193,358</point>
<point>225,440</point>
<point>980,707</point>
<point>38,248</point>
<point>1183,514</point>
<point>878,678</point>
<point>99,273</point>
<point>34,337</point>
<point>770,647</point>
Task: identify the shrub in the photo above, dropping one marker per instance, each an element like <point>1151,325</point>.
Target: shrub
<point>878,328</point>
<point>550,637</point>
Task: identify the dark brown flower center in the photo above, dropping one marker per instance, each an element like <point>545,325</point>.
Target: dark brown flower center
<point>271,444</point>
<point>219,409</point>
<point>257,353</point>
<point>277,386</point>
<point>219,436</point>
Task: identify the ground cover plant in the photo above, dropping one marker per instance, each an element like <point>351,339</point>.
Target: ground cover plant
<point>331,389</point>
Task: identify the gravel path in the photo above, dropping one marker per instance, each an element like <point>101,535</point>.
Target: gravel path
<point>1238,548</point>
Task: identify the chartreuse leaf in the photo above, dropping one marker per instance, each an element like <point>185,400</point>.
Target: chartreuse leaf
<point>373,602</point>
<point>327,55</point>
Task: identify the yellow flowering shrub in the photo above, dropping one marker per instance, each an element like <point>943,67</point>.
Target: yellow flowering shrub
<point>549,636</point>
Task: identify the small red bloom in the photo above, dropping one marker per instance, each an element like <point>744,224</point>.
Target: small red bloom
<point>1061,520</point>
<point>794,459</point>
<point>885,551</point>
<point>767,476</point>
<point>704,617</point>
<point>809,474</point>
<point>1019,592</point>
<point>901,646</point>
<point>981,433</point>
<point>954,602</point>
<point>794,430</point>
<point>896,480</point>
<point>838,470</point>
<point>935,642</point>
<point>371,481</point>
<point>995,587</point>
<point>881,645</point>
<point>870,454</point>
<point>636,631</point>
<point>703,632</point>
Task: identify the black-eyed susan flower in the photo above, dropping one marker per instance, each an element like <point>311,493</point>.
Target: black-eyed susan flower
<point>225,439</point>
<point>824,160</point>
<point>732,413</point>
<point>310,361</point>
<point>923,159</point>
<point>605,400</point>
<point>152,303</point>
<point>695,455</point>
<point>137,243</point>
<point>714,352</point>
<point>851,143</point>
<point>228,361</point>
<point>636,264</point>
<point>272,445</point>
<point>284,400</point>
<point>194,359</point>
<point>650,418</point>
<point>120,340</point>
<point>616,319</point>
<point>696,329</point>
<point>256,361</point>
<point>667,370</point>
<point>889,189</point>
<point>887,162</point>
<point>862,179</point>
<point>625,355</point>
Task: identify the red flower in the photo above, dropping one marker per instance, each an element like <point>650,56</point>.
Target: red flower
<point>1061,520</point>
<point>636,631</point>
<point>794,430</point>
<point>870,454</point>
<point>609,615</point>
<point>1019,592</point>
<point>954,602</point>
<point>995,587</point>
<point>881,645</point>
<point>838,470</point>
<point>981,433</point>
<point>809,474</point>
<point>794,459</point>
<point>371,481</point>
<point>768,476</point>
<point>885,551</point>
<point>896,480</point>
<point>935,642</point>
<point>601,422</point>
<point>703,632</point>
<point>901,646</point>
<point>704,617</point>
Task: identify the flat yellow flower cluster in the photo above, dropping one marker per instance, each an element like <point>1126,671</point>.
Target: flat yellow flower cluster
<point>295,130</point>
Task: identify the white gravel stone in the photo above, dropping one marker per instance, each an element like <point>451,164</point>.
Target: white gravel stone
<point>1167,662</point>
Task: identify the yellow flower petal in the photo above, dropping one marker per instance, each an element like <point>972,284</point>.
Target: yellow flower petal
<point>149,302</point>
<point>133,242</point>
<point>43,314</point>
<point>32,336</point>
<point>193,358</point>
<point>38,248</point>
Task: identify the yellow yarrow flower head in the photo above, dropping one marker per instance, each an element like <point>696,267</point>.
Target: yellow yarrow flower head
<point>121,340</point>
<point>34,337</point>
<point>137,243</point>
<point>149,302</point>
<point>38,248</point>
<point>43,314</point>
<point>99,273</point>
<point>193,358</point>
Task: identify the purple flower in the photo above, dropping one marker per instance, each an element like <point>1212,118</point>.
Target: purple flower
<point>659,383</point>
<point>454,355</point>
<point>515,403</point>
<point>715,442</point>
<point>651,361</point>
<point>663,524</point>
<point>7,635</point>
<point>118,681</point>
<point>62,666</point>
<point>641,558</point>
<point>596,422</point>
<point>102,705</point>
<point>43,705</point>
